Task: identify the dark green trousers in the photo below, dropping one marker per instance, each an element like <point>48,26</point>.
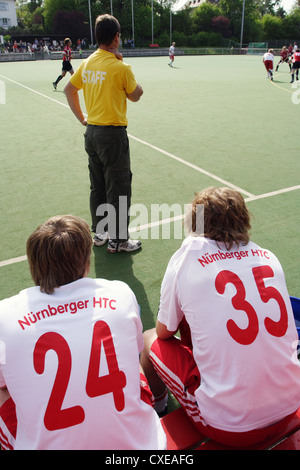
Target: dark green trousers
<point>110,177</point>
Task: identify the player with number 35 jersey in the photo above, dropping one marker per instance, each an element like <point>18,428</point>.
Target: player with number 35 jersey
<point>239,374</point>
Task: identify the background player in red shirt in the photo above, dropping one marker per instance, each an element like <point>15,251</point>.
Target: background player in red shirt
<point>284,58</point>
<point>296,65</point>
<point>66,63</point>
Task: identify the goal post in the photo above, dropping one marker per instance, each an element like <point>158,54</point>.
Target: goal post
<point>257,47</point>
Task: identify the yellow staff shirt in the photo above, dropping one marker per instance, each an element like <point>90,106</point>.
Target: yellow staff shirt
<point>105,81</point>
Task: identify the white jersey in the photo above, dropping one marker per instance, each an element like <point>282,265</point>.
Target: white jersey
<point>71,364</point>
<point>268,56</point>
<point>243,331</point>
<point>171,50</point>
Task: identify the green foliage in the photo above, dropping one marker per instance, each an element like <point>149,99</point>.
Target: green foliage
<point>204,25</point>
<point>51,7</point>
<point>272,27</point>
<point>30,15</point>
<point>203,15</point>
<point>291,24</point>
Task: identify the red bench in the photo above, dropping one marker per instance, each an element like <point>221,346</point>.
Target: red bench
<point>183,435</point>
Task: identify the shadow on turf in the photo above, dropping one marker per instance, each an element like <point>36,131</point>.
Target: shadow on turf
<point>118,266</point>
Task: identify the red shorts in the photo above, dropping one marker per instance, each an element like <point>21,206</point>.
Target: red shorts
<point>8,425</point>
<point>175,365</point>
<point>268,64</point>
<point>8,418</point>
<point>146,394</point>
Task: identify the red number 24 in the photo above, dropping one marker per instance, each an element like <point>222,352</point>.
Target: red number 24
<point>114,382</point>
<point>248,335</point>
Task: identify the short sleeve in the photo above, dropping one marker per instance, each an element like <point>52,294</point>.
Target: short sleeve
<point>170,313</point>
<point>2,362</point>
<point>130,82</point>
<point>76,78</point>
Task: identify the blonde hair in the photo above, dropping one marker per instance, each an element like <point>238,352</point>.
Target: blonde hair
<point>59,252</point>
<point>226,217</point>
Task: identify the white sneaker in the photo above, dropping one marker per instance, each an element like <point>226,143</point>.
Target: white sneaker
<point>100,239</point>
<point>129,245</point>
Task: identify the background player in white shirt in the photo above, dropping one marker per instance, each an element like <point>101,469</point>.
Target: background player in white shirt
<point>69,353</point>
<point>268,59</point>
<point>236,375</point>
<point>171,53</point>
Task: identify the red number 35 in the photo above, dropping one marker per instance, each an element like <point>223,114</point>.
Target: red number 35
<point>248,335</point>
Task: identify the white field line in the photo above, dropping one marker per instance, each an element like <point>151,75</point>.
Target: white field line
<point>181,160</point>
<point>191,165</point>
<point>167,221</point>
<point>250,198</point>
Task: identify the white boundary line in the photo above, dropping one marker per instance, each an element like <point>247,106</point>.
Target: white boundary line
<point>13,261</point>
<point>191,165</point>
<point>181,160</point>
<point>273,193</point>
<point>34,91</point>
<point>251,197</point>
<point>166,221</point>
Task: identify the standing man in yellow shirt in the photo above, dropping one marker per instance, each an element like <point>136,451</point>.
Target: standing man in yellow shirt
<point>107,82</point>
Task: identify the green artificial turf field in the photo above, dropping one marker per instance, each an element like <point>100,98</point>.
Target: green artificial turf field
<point>208,121</point>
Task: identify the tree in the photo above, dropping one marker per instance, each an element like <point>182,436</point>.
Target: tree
<point>291,25</point>
<point>232,9</point>
<point>70,24</point>
<point>182,21</point>
<point>143,24</point>
<point>220,24</point>
<point>267,6</point>
<point>30,15</point>
<point>272,27</point>
<point>51,7</point>
<point>203,15</point>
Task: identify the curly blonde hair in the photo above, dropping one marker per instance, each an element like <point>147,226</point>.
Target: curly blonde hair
<point>226,217</point>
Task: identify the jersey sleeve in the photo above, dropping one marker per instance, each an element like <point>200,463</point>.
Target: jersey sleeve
<point>76,78</point>
<point>130,82</point>
<point>139,325</point>
<point>2,361</point>
<point>170,313</point>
